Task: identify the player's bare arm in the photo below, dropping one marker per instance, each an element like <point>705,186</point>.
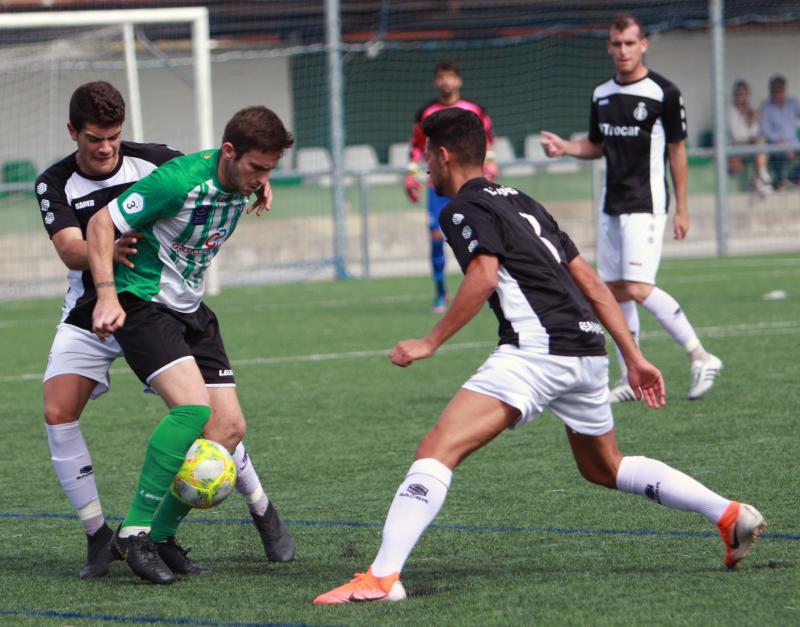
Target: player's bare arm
<point>71,248</point>
<point>108,315</point>
<point>480,280</point>
<point>555,146</point>
<point>644,377</point>
<point>679,168</point>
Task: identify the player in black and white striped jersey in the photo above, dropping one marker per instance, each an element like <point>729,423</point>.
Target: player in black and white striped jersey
<point>638,122</point>
<point>69,193</point>
<point>547,300</point>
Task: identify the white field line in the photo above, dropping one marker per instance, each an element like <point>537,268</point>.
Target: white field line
<point>758,328</point>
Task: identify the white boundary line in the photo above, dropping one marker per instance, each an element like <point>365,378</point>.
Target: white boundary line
<point>758,328</point>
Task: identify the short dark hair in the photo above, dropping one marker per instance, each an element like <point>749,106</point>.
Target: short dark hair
<point>458,130</point>
<point>257,128</point>
<point>625,20</point>
<point>776,79</point>
<point>740,83</point>
<point>98,103</point>
<point>447,66</point>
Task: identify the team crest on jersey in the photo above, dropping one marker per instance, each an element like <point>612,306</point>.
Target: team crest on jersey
<point>133,203</point>
<point>458,218</point>
<point>45,204</point>
<point>199,214</point>
<point>41,188</point>
<point>640,112</point>
<point>467,232</point>
<point>49,218</point>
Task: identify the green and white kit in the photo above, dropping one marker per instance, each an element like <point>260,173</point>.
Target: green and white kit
<point>185,215</point>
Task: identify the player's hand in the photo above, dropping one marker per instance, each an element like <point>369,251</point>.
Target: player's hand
<point>553,145</point>
<point>108,315</point>
<point>680,225</point>
<point>437,235</point>
<point>125,246</point>
<point>647,383</point>
<point>407,352</point>
<point>490,170</point>
<point>263,200</point>
<point>413,187</point>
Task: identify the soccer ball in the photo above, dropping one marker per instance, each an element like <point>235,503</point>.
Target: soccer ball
<point>207,475</point>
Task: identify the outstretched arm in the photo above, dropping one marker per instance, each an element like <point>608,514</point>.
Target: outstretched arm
<point>479,282</point>
<point>108,315</point>
<point>583,148</point>
<point>644,377</point>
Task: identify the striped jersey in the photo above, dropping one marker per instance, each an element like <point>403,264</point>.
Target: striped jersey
<point>185,215</point>
<point>634,122</point>
<point>67,197</point>
<point>537,304</point>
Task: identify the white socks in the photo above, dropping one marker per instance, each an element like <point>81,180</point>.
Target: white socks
<point>669,314</point>
<point>667,486</point>
<point>631,313</point>
<point>247,482</point>
<point>73,465</point>
<point>416,503</point>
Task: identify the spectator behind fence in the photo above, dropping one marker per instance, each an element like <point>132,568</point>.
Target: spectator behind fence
<point>779,116</point>
<point>743,130</point>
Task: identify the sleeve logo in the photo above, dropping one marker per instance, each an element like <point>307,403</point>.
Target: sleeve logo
<point>49,218</point>
<point>45,204</point>
<point>133,203</point>
<point>458,218</point>
<point>472,245</point>
<point>467,232</point>
<point>41,188</point>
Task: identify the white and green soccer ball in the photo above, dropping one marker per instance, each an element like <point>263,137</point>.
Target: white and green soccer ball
<point>207,475</point>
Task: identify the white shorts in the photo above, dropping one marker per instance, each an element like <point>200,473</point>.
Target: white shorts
<point>77,351</point>
<point>574,388</point>
<point>629,246</point>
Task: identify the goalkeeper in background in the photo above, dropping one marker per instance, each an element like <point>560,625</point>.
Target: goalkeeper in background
<point>447,79</point>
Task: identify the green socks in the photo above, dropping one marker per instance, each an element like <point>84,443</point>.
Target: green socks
<point>166,450</point>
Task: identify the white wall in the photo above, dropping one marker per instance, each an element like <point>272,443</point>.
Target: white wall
<point>685,59</point>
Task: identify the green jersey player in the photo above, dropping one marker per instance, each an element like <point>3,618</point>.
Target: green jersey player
<point>171,339</point>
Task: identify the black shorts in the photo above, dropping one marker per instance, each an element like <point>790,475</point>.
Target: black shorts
<point>155,336</point>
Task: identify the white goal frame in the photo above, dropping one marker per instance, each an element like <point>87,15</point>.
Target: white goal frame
<point>197,17</point>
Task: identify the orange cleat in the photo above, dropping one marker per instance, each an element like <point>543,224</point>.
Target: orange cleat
<point>365,587</point>
<point>739,527</point>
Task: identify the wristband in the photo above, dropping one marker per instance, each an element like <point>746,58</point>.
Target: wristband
<point>100,284</point>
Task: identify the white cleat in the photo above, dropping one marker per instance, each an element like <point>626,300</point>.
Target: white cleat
<point>704,374</point>
<point>740,526</point>
<point>621,392</point>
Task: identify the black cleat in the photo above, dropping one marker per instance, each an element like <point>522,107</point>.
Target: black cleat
<point>175,556</point>
<point>278,544</point>
<point>98,553</point>
<point>144,560</point>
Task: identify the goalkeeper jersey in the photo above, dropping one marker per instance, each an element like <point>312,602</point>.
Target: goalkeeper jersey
<point>185,215</point>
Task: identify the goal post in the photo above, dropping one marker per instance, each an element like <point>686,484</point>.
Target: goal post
<point>35,132</point>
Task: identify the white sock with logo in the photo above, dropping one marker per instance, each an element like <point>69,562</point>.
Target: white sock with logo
<point>247,482</point>
<point>669,487</point>
<point>669,314</point>
<point>73,466</point>
<point>416,503</point>
<point>631,313</point>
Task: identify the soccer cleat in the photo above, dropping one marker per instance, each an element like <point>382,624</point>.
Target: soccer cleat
<point>621,392</point>
<point>278,544</point>
<point>143,559</point>
<point>703,375</point>
<point>98,553</point>
<point>175,557</point>
<point>365,587</point>
<point>739,527</point>
<point>439,304</point>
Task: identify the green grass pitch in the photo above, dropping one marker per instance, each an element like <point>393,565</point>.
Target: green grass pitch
<point>522,539</point>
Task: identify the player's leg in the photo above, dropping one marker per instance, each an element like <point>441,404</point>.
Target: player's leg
<point>609,267</point>
<point>77,370</point>
<point>435,205</point>
<point>642,240</point>
<point>469,421</point>
<point>227,417</point>
<point>600,461</point>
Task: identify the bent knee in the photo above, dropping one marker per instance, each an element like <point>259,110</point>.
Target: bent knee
<point>226,429</point>
<point>56,414</point>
